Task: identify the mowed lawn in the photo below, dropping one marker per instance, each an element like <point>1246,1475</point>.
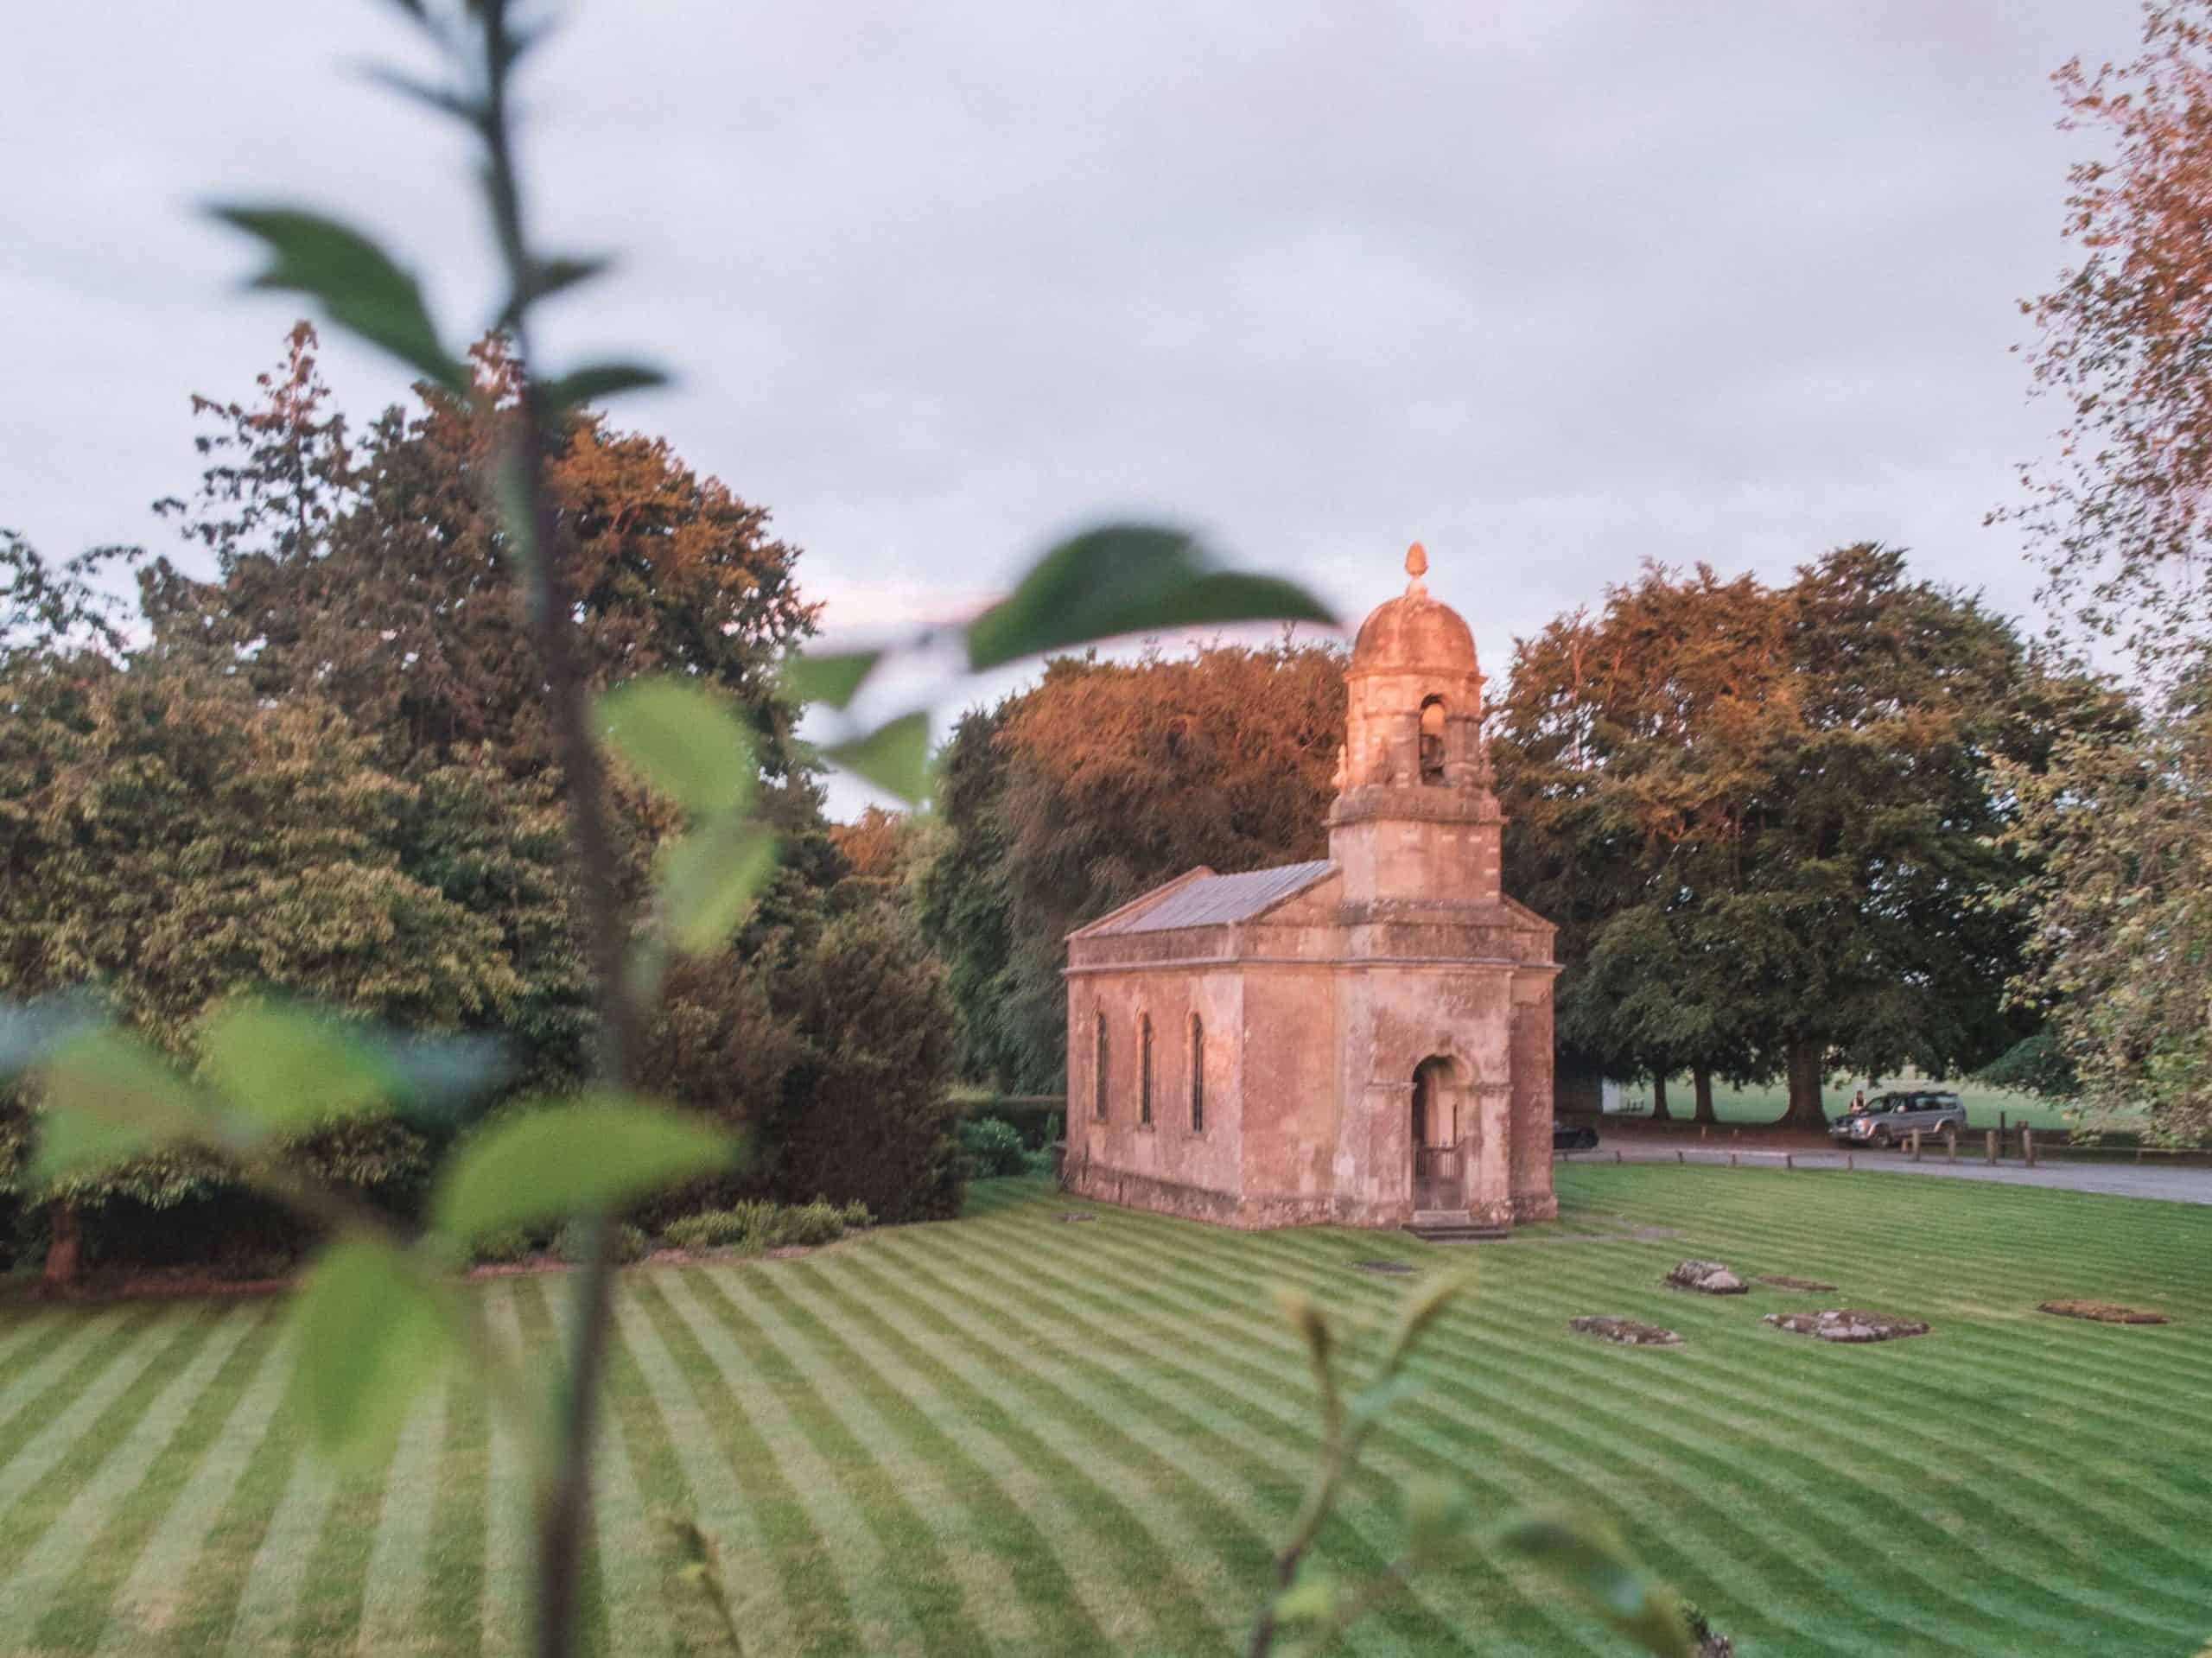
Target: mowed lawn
<point>1011,1435</point>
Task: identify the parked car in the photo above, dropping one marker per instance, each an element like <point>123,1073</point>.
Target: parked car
<point>1574,1137</point>
<point>1891,1119</point>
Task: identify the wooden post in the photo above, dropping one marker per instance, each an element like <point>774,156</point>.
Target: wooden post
<point>1993,1148</point>
<point>1616,1155</point>
<point>1850,1162</point>
<point>1915,1145</point>
<point>1704,1130</point>
<point>1950,1143</point>
<point>1731,1160</point>
<point>2028,1145</point>
<point>1788,1161</point>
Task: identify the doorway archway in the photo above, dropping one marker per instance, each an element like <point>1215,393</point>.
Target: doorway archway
<point>1439,1165</point>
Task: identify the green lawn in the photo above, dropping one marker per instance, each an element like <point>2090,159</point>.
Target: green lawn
<point>1007,1435</point>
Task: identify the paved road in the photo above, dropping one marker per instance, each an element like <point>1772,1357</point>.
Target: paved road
<point>2173,1185</point>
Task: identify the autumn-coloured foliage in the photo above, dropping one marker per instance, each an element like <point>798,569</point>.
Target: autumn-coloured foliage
<point>1101,781</point>
<point>2118,515</point>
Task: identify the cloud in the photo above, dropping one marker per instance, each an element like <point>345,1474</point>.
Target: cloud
<point>1552,288</point>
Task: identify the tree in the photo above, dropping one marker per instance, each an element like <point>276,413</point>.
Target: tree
<point>1105,779</point>
<point>1768,820</point>
<point>2118,514</point>
<point>376,572</point>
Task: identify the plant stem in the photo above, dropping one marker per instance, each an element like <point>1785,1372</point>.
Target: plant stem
<point>561,1500</point>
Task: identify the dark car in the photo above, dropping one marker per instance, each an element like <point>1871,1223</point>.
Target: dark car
<point>1574,1137</point>
<point>1893,1119</point>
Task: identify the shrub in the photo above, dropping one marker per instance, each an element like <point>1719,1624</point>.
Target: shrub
<point>504,1248</point>
<point>989,1147</point>
<point>711,1228</point>
<point>757,1225</point>
<point>855,1216</point>
<point>627,1244</point>
<point>801,1224</point>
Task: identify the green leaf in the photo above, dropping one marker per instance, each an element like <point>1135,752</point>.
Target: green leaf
<point>1586,1555</point>
<point>370,1335</point>
<point>1123,579</point>
<point>893,757</point>
<point>358,284</point>
<point>109,1095</point>
<point>592,1152</point>
<point>601,381</point>
<point>442,99</point>
<point>550,276</point>
<point>709,880</point>
<point>1310,1600</point>
<point>681,737</point>
<point>286,1067</point>
<point>832,677</point>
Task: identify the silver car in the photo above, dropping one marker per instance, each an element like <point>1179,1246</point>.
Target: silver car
<point>1893,1119</point>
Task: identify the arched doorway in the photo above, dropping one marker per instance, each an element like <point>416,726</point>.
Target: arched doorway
<point>1439,1173</point>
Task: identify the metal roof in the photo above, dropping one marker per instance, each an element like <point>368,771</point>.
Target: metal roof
<point>1212,900</point>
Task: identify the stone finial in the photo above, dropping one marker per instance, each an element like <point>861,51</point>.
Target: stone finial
<point>1416,567</point>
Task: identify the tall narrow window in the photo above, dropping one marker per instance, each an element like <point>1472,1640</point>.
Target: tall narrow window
<point>1432,740</point>
<point>1198,1076</point>
<point>1144,1072</point>
<point>1098,1070</point>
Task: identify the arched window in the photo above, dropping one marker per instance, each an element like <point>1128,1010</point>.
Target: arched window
<point>1098,1071</point>
<point>1197,1075</point>
<point>1432,740</point>
<point>1144,1070</point>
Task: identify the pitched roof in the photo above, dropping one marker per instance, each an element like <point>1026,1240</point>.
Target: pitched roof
<point>1212,900</point>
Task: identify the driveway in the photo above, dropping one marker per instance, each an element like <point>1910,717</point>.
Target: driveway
<point>2172,1185</point>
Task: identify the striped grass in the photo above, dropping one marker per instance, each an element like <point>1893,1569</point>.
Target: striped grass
<point>1006,1435</point>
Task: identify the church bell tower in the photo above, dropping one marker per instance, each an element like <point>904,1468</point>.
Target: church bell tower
<point>1416,826</point>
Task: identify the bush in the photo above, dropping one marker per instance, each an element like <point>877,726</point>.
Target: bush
<point>989,1147</point>
<point>855,1216</point>
<point>628,1244</point>
<point>757,1225</point>
<point>504,1248</point>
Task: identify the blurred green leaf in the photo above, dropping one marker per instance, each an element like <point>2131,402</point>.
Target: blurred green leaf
<point>1424,1305</point>
<point>1122,579</point>
<point>441,98</point>
<point>709,880</point>
<point>681,737</point>
<point>370,1335</point>
<point>1372,1402</point>
<point>284,1067</point>
<point>1437,1516</point>
<point>29,1030</point>
<point>552,276</point>
<point>356,282</point>
<point>434,1077</point>
<point>831,677</point>
<point>601,381</point>
<point>592,1152</point>
<point>109,1095</point>
<point>1310,1600</point>
<point>893,757</point>
<point>1586,1555</point>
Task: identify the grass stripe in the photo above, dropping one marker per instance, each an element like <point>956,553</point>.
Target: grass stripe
<point>877,1472</point>
<point>542,1305</point>
<point>30,1402</point>
<point>268,1590</point>
<point>137,1615</point>
<point>452,1590</point>
<point>1178,1545</point>
<point>116,1509</point>
<point>501,1621</point>
<point>814,1587</point>
<point>723,1505</point>
<point>392,1616</point>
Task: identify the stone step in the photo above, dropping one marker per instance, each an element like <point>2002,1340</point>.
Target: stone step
<point>1454,1226</point>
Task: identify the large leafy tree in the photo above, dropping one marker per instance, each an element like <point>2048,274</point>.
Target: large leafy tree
<point>1767,818</point>
<point>374,569</point>
<point>1104,779</point>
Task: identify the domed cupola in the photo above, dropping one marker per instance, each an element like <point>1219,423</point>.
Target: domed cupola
<point>1413,756</point>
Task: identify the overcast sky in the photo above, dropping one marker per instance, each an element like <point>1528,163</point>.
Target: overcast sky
<point>1551,287</point>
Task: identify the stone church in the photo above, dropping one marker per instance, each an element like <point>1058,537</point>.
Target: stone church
<point>1365,1039</point>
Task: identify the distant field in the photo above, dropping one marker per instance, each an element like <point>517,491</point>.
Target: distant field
<point>1767,1104</point>
<point>1007,1435</point>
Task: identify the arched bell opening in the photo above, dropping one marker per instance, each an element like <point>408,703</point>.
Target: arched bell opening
<point>1434,714</point>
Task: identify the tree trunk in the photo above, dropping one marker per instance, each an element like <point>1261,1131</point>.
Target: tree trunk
<point>1659,1112</point>
<point>1701,1079</point>
<point>1804,1065</point>
<point>66,1244</point>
